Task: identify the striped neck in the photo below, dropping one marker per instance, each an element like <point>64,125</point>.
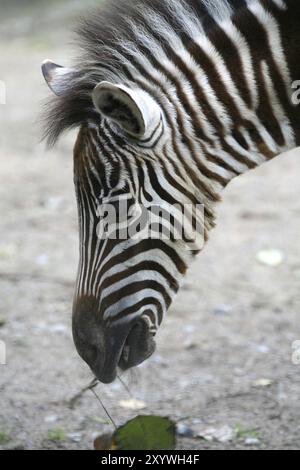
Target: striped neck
<point>225,89</point>
<point>235,85</point>
<point>249,62</point>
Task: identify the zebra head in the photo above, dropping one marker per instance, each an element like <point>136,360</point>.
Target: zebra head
<point>174,99</point>
<point>137,220</point>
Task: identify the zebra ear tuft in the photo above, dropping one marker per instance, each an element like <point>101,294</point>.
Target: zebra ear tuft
<point>133,110</point>
<point>55,76</point>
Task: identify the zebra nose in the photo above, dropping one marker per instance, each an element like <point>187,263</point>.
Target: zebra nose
<point>96,345</point>
<point>105,348</point>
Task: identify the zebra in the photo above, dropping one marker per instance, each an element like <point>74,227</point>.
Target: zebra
<point>173,99</point>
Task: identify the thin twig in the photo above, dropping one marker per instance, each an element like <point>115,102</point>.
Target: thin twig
<point>104,408</point>
<point>73,401</point>
<point>125,386</point>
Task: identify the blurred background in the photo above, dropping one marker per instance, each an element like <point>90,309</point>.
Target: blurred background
<point>223,369</point>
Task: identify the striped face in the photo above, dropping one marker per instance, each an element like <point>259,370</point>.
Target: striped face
<point>174,98</point>
<point>137,231</point>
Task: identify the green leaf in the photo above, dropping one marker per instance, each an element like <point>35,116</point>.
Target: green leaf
<point>146,433</point>
<point>4,438</point>
<point>242,433</point>
<point>56,435</point>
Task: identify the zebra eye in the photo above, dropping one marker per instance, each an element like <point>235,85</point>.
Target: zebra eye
<point>134,111</point>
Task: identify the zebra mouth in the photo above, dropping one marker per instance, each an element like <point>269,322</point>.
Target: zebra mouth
<point>123,351</point>
<point>138,347</point>
<point>107,348</point>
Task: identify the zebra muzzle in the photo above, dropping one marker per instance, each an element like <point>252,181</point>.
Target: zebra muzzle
<point>125,348</point>
<point>106,348</point>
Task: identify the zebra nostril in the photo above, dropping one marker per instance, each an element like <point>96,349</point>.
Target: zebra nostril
<point>139,345</point>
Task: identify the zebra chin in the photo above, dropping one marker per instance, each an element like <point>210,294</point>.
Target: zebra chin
<point>108,348</point>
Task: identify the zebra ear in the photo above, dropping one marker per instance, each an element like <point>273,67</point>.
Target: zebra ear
<point>134,110</point>
<point>55,76</point>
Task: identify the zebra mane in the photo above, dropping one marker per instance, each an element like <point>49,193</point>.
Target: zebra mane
<point>118,30</point>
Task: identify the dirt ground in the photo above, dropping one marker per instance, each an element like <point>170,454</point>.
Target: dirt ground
<point>224,358</point>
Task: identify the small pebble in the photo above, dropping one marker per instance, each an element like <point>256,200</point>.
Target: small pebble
<point>53,203</point>
<point>263,383</point>
<point>252,441</point>
<point>189,328</point>
<point>184,431</point>
<point>262,348</point>
<point>58,328</point>
<point>223,310</point>
<point>222,434</point>
<point>51,419</point>
<point>132,404</point>
<point>271,258</point>
<point>75,436</point>
<point>189,345</point>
